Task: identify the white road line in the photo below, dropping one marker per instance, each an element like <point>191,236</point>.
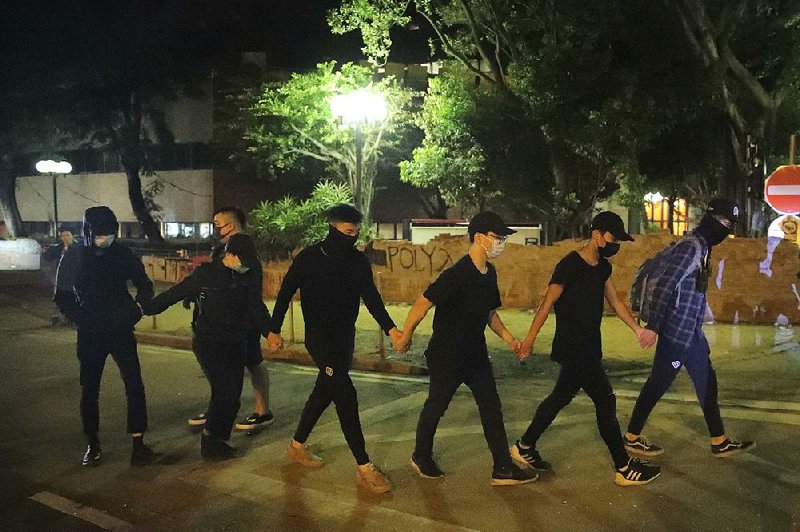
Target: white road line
<point>75,509</point>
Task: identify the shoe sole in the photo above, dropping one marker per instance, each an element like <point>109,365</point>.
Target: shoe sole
<point>512,481</point>
<point>371,487</point>
<point>91,463</point>
<point>251,426</point>
<point>619,480</point>
<point>420,473</point>
<point>196,422</point>
<point>640,452</point>
<point>728,454</point>
<point>311,464</point>
<point>520,461</point>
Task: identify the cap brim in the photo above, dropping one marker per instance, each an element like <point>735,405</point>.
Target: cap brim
<point>623,237</point>
<point>505,231</point>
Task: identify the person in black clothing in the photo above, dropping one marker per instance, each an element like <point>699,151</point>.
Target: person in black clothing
<point>229,221</point>
<point>92,291</point>
<point>55,253</point>
<point>580,283</point>
<point>227,296</point>
<point>466,298</point>
<point>333,277</point>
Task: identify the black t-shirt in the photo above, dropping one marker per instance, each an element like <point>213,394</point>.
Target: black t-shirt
<point>464,298</point>
<point>579,310</point>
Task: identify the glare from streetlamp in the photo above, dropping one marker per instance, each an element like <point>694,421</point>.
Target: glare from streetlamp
<point>359,106</point>
<point>653,197</point>
<point>53,167</point>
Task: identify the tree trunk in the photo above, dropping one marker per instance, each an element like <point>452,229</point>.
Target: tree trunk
<point>8,199</point>
<point>151,229</point>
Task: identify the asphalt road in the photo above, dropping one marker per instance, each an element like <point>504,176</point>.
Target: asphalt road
<point>44,486</point>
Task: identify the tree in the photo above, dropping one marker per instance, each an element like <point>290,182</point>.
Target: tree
<point>292,124</point>
<point>280,227</point>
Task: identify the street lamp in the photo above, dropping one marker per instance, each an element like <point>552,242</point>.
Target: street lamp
<point>53,169</point>
<point>355,109</point>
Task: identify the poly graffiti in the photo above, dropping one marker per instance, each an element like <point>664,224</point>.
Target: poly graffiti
<point>418,258</point>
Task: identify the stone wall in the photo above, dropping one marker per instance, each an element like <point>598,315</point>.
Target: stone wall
<point>745,287</point>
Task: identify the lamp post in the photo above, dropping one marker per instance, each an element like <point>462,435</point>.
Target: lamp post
<point>356,109</point>
<point>54,169</point>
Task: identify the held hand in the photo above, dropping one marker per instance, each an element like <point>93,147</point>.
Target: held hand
<point>275,342</point>
<point>647,338</point>
<point>397,340</point>
<point>525,348</point>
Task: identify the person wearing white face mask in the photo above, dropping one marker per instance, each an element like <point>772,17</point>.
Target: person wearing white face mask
<point>92,291</point>
<point>466,298</point>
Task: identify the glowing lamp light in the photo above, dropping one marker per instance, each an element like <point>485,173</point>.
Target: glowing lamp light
<point>53,167</point>
<point>653,197</point>
<point>359,106</point>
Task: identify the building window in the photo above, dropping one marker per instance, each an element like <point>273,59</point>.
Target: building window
<point>657,209</point>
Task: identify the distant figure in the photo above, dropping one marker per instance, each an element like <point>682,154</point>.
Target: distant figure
<point>92,291</point>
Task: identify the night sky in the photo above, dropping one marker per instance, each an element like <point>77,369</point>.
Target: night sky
<point>293,33</point>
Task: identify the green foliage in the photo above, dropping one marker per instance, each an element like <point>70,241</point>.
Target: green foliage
<point>291,124</point>
<point>281,226</point>
<point>374,19</point>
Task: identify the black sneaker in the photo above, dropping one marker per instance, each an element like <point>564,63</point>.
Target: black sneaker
<point>426,468</point>
<point>731,447</point>
<point>215,449</point>
<point>255,420</point>
<point>529,458</point>
<point>198,420</point>
<point>642,446</point>
<point>142,455</point>
<point>637,474</point>
<point>92,455</point>
<point>513,475</point>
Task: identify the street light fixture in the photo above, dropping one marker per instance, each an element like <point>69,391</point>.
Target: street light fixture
<point>356,109</point>
<point>54,169</point>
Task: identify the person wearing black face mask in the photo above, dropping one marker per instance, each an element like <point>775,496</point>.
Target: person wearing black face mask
<point>333,277</point>
<point>676,314</point>
<point>577,290</point>
<point>92,291</point>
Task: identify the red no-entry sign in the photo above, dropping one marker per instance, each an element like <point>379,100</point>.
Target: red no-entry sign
<point>782,189</point>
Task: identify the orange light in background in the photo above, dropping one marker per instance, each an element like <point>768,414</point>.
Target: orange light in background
<point>657,209</point>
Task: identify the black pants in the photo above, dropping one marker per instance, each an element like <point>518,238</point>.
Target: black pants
<point>93,348</point>
<point>667,363</point>
<point>443,385</point>
<point>222,362</point>
<point>333,385</point>
<point>594,381</point>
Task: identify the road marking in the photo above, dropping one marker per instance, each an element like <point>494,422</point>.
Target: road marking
<point>76,509</point>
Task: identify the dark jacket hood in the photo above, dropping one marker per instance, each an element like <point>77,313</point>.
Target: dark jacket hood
<point>98,221</point>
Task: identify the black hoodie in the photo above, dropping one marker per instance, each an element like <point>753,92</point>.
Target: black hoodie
<point>92,283</point>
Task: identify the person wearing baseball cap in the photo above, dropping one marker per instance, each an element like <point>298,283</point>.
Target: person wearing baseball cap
<point>580,284</point>
<point>678,322</point>
<point>466,298</point>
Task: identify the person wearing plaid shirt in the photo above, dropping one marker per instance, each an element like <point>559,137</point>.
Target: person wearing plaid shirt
<point>677,309</point>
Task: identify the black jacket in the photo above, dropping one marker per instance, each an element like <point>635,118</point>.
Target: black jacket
<point>227,304</point>
<point>92,288</point>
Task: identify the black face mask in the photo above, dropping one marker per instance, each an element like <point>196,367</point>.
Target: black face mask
<point>610,249</point>
<point>338,241</point>
<point>712,231</point>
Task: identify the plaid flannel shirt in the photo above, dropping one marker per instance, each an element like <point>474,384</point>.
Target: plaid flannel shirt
<point>677,308</point>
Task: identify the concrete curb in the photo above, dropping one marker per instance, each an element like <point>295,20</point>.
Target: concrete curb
<point>295,354</point>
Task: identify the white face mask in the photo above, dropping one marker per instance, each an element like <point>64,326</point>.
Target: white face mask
<point>103,241</point>
<point>240,269</point>
<point>496,249</point>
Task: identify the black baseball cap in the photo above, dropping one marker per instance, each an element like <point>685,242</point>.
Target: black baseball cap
<point>488,222</point>
<point>610,222</point>
<point>725,207</point>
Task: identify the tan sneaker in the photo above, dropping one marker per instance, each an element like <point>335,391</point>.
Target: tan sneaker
<point>372,478</point>
<point>303,456</point>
